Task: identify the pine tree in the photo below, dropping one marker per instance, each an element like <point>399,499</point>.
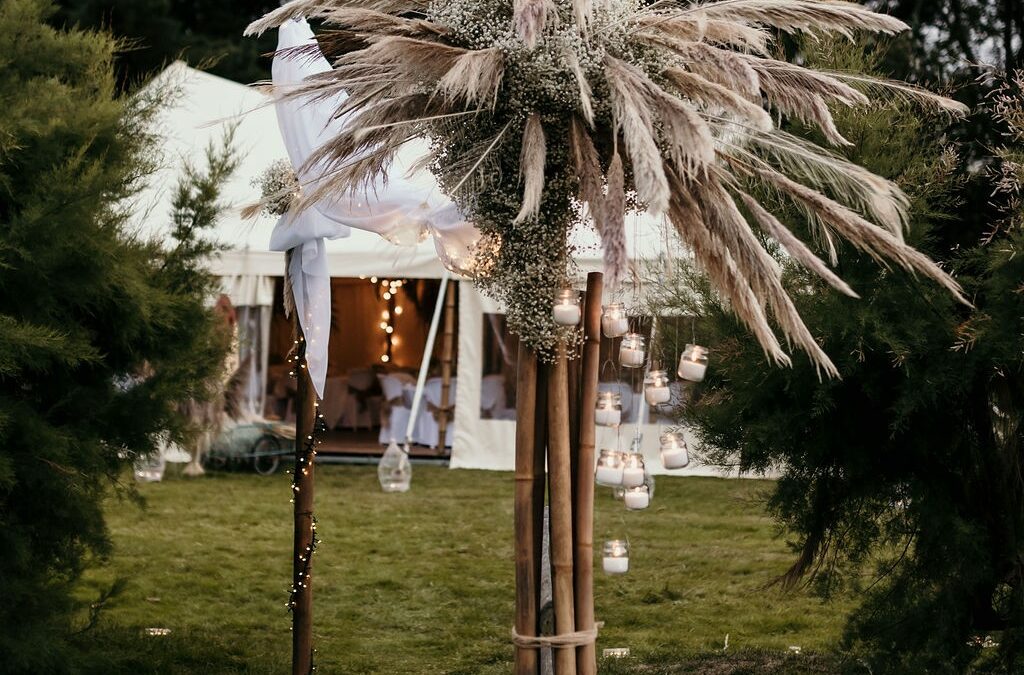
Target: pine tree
<point>903,479</point>
<point>100,332</point>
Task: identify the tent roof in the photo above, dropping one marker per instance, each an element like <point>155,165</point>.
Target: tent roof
<point>206,106</point>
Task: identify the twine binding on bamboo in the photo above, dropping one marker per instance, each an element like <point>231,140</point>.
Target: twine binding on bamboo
<point>563,641</point>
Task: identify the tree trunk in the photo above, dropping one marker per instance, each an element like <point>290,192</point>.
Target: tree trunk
<point>305,428</point>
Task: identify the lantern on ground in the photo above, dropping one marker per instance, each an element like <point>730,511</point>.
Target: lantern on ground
<point>631,351</point>
<point>633,471</point>
<point>566,311</point>
<point>674,453</point>
<point>693,363</point>
<point>394,471</point>
<point>608,412</point>
<point>616,556</point>
<point>609,468</point>
<point>614,321</point>
<point>656,391</point>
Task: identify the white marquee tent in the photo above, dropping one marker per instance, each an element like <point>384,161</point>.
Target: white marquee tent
<point>204,107</point>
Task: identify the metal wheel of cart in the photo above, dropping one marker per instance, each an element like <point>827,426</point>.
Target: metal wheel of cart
<point>266,455</point>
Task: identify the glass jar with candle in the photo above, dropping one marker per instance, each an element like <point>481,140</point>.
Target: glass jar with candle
<point>566,311</point>
<point>394,471</point>
<point>633,470</point>
<point>674,453</point>
<point>631,351</point>
<point>609,409</point>
<point>637,498</point>
<point>656,390</point>
<point>609,468</point>
<point>614,322</point>
<point>616,556</point>
<point>693,363</point>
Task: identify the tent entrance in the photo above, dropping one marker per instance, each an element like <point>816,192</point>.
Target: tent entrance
<point>378,334</point>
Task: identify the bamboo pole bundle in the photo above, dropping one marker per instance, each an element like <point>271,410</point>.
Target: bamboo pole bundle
<point>447,347</point>
<point>560,496</point>
<point>527,533</point>
<point>305,424</point>
<point>583,570</point>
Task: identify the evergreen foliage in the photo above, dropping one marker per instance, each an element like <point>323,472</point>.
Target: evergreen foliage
<point>902,479</point>
<point>100,332</point>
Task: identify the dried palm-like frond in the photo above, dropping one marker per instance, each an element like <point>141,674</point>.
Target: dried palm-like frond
<point>668,106</point>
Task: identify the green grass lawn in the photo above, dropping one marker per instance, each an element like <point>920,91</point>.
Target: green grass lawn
<point>423,582</point>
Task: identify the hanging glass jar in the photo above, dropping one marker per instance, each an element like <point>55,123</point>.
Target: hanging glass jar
<point>693,363</point>
<point>567,311</point>
<point>614,321</point>
<point>609,409</point>
<point>616,556</point>
<point>394,471</point>
<point>633,470</point>
<point>656,391</point>
<point>609,468</point>
<point>674,453</point>
<point>637,498</point>
<point>631,351</point>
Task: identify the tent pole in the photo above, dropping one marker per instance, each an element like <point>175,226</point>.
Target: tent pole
<point>446,366</point>
<point>428,350</point>
<point>305,424</point>
<point>527,551</point>
<point>583,561</point>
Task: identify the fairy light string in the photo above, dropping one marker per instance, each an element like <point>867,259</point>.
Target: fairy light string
<point>303,462</point>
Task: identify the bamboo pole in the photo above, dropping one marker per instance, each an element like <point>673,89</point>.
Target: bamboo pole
<point>447,343</point>
<point>527,550</point>
<point>540,485</point>
<point>305,419</point>
<point>560,495</point>
<point>586,656</point>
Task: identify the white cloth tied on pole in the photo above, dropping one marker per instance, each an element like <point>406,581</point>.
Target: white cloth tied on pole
<point>406,207</point>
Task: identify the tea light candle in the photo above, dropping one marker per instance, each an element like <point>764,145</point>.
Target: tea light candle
<point>633,472</point>
<point>609,468</point>
<point>609,409</point>
<point>656,391</point>
<point>693,363</point>
<point>616,557</point>
<point>637,498</point>
<point>631,351</point>
<point>674,453</point>
<point>614,322</point>
<point>566,311</point>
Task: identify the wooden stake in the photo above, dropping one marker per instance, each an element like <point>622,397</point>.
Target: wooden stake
<point>446,365</point>
<point>560,495</point>
<point>586,656</point>
<point>527,532</point>
<point>305,424</point>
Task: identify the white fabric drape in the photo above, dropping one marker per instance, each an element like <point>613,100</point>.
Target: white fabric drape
<point>408,206</point>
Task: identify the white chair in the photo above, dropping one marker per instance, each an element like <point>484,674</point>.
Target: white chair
<point>427,428</point>
<point>492,396</point>
<point>395,421</point>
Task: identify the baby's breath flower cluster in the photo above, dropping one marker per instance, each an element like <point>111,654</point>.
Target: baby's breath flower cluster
<point>278,186</point>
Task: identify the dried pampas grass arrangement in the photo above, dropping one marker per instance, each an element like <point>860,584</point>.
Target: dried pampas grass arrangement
<point>546,113</point>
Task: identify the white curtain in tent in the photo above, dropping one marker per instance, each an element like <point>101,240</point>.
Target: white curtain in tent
<point>407,204</point>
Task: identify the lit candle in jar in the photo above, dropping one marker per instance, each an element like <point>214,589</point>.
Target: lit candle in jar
<point>609,409</point>
<point>633,471</point>
<point>566,311</point>
<point>609,468</point>
<point>674,453</point>
<point>637,498</point>
<point>631,351</point>
<point>616,556</point>
<point>614,322</point>
<point>656,391</point>
<point>693,363</point>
